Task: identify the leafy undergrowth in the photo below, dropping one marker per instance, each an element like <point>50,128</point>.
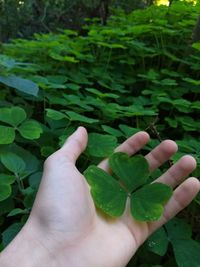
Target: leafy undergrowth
<point>139,72</point>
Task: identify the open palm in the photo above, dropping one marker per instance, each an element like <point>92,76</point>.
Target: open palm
<point>80,235</point>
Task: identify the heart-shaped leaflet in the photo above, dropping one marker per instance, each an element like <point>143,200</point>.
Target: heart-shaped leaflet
<point>110,194</point>
<point>131,171</point>
<point>107,193</point>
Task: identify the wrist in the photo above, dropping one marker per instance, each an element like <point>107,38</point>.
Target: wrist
<point>26,250</point>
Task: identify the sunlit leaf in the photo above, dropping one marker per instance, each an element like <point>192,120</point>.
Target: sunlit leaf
<point>106,191</point>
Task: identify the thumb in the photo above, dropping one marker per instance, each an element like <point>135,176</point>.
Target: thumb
<point>75,144</point>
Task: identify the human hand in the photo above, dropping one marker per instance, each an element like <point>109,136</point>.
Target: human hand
<point>67,228</point>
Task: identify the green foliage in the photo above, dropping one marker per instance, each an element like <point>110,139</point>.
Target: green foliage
<point>23,18</point>
<point>158,242</point>
<point>20,84</point>
<point>5,191</point>
<point>185,249</point>
<point>16,117</point>
<point>138,72</point>
<point>101,145</point>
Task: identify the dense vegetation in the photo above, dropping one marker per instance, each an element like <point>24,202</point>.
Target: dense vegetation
<point>23,18</point>
<point>138,72</point>
<point>20,18</point>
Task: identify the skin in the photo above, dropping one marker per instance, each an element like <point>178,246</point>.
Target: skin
<point>64,227</point>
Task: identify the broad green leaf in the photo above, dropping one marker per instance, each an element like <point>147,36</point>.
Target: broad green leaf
<point>6,178</point>
<point>188,123</point>
<point>13,162</point>
<point>111,131</point>
<point>170,72</point>
<point>158,242</point>
<point>34,179</point>
<point>128,131</point>
<point>23,85</point>
<point>58,57</point>
<point>7,61</point>
<point>30,129</point>
<point>31,162</point>
<point>29,199</point>
<point>178,228</point>
<point>54,114</point>
<point>73,116</point>
<point>111,45</point>
<point>131,171</point>
<point>151,75</point>
<point>72,100</point>
<point>182,105</point>
<point>73,86</point>
<point>196,46</point>
<point>106,191</point>
<point>13,115</point>
<point>195,105</point>
<point>58,79</point>
<point>17,212</point>
<point>7,135</point>
<point>147,202</point>
<point>186,252</point>
<point>166,82</point>
<point>172,122</point>
<point>10,233</point>
<point>100,145</point>
<point>5,191</point>
<point>101,94</point>
<point>192,81</point>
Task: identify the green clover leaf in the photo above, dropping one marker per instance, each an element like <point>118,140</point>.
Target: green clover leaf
<point>30,129</point>
<point>147,202</point>
<point>7,135</point>
<point>17,118</point>
<point>106,191</point>
<point>110,193</point>
<point>13,115</point>
<point>133,172</point>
